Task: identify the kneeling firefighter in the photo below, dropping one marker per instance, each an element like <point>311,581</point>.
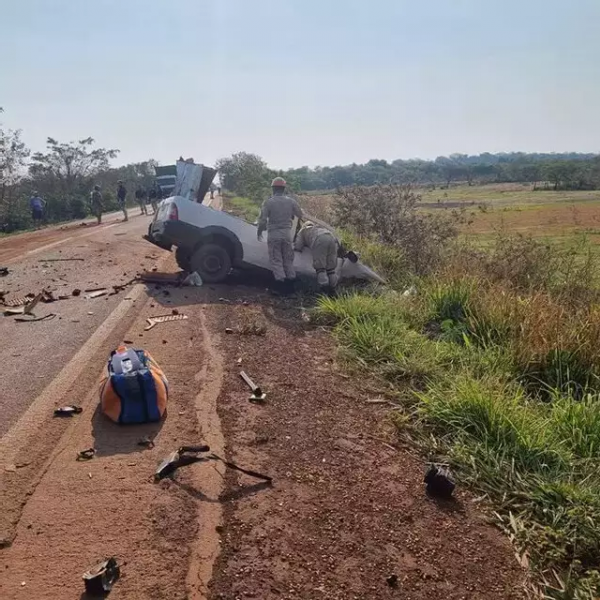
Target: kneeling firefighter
<point>325,250</point>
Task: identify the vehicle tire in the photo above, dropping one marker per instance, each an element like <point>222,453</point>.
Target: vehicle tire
<point>182,256</point>
<point>212,262</point>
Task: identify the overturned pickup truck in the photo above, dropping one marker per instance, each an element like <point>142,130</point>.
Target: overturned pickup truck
<point>212,242</point>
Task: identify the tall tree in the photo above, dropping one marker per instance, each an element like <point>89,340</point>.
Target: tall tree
<point>13,155</point>
<point>65,173</point>
<point>245,174</point>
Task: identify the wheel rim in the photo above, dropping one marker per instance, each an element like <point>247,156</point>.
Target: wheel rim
<point>212,264</point>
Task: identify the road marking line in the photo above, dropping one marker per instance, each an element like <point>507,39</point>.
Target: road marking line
<point>72,237</point>
<point>16,438</point>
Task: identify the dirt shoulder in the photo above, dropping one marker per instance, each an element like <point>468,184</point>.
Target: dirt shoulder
<point>348,510</point>
<point>78,512</point>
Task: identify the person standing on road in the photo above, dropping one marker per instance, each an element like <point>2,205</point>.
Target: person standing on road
<point>121,198</point>
<point>154,195</point>
<point>324,248</point>
<point>96,203</point>
<point>276,216</point>
<point>37,205</point>
<point>140,196</point>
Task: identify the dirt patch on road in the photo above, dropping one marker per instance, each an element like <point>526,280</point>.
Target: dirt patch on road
<point>347,516</point>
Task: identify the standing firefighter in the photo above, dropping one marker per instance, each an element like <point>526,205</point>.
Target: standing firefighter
<point>324,248</point>
<point>121,197</point>
<point>96,203</point>
<point>276,216</point>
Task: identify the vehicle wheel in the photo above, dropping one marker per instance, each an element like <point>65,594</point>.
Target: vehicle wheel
<point>182,256</point>
<point>212,262</point>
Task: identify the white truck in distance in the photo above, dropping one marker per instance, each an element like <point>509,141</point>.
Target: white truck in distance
<point>212,242</point>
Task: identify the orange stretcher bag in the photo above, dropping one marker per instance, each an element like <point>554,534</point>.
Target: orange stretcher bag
<point>136,390</point>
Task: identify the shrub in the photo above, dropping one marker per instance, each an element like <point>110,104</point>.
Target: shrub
<point>388,214</point>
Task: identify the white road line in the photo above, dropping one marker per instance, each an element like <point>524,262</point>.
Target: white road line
<point>39,410</point>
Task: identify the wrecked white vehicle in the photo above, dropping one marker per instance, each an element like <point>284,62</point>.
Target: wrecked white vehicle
<point>212,242</point>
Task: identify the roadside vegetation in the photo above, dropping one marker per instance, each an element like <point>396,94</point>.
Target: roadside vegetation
<point>494,358</point>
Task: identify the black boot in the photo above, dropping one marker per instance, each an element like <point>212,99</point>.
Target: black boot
<point>290,286</point>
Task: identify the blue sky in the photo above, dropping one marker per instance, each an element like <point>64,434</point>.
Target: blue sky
<point>303,82</point>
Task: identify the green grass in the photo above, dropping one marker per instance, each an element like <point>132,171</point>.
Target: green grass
<point>242,207</point>
<point>458,352</point>
<point>506,195</point>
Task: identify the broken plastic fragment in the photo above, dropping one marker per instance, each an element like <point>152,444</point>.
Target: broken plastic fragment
<point>101,577</point>
<point>193,280</point>
<point>152,321</point>
<point>67,411</point>
<point>86,454</point>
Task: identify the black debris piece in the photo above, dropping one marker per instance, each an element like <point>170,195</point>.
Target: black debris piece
<point>67,411</point>
<point>86,454</point>
<point>100,578</point>
<point>188,455</point>
<point>439,481</point>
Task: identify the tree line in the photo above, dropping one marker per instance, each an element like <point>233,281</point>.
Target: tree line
<point>248,175</point>
<point>573,171</point>
<point>64,175</point>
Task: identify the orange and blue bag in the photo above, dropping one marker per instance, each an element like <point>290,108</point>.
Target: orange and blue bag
<point>136,390</point>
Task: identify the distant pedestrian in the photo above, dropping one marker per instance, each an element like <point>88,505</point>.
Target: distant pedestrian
<point>37,205</point>
<point>219,190</point>
<point>96,203</point>
<point>140,196</point>
<point>212,190</point>
<point>154,195</point>
<point>121,199</point>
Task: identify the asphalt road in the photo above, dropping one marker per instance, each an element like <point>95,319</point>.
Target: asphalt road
<point>33,354</point>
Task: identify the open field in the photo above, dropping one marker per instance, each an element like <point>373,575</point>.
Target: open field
<point>506,208</point>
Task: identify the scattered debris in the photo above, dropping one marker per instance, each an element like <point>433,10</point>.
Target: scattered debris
<point>47,317</point>
<point>4,271</point>
<point>227,301</point>
<point>174,312</point>
<point>86,454</point>
<point>410,291</point>
<point>127,341</point>
<point>76,292</point>
<point>58,259</point>
<point>152,321</point>
<point>193,280</point>
<point>97,293</point>
<point>188,455</point>
<point>121,287</point>
<point>100,578</point>
<point>392,581</point>
<point>162,278</point>
<point>257,394</point>
<point>228,330</point>
<point>11,468</point>
<point>147,442</point>
<point>67,411</point>
<point>377,401</point>
<point>27,309</point>
<point>439,481</point>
